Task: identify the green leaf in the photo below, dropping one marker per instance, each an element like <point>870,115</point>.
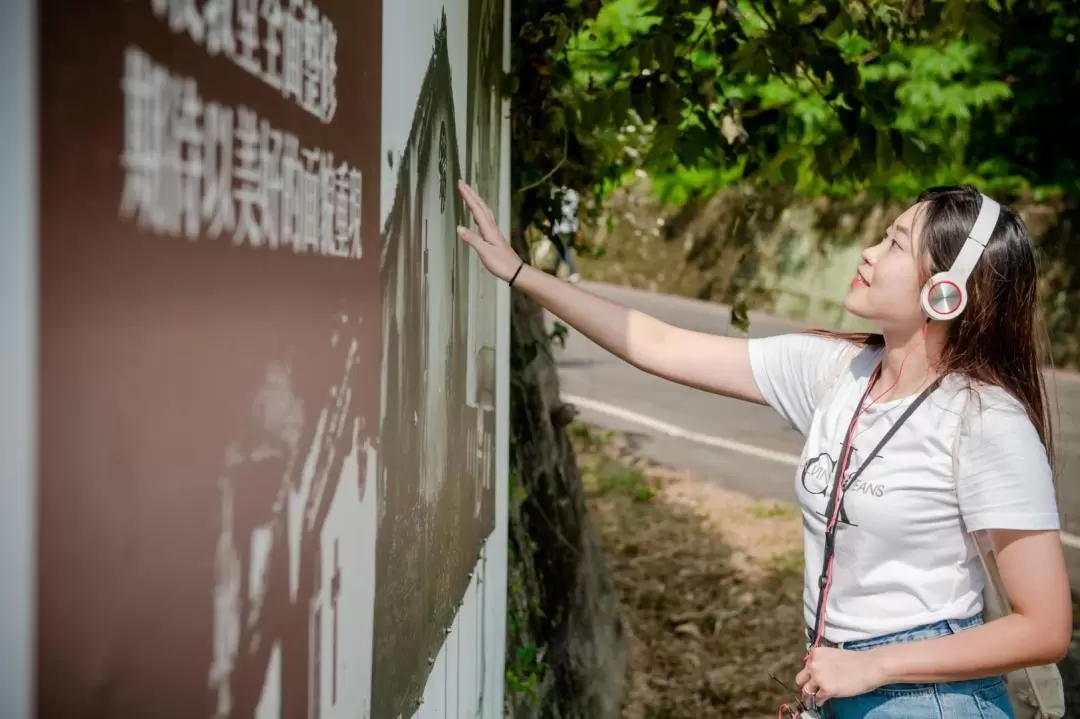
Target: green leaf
<point>839,25</point>
<point>645,55</point>
<point>620,106</point>
<point>665,51</point>
<point>663,143</point>
<point>559,333</point>
<point>824,160</point>
<point>511,83</point>
<point>740,315</point>
<point>666,101</point>
<point>789,170</point>
<point>885,155</point>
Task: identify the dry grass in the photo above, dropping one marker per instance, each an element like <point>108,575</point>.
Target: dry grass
<point>710,582</point>
<point>711,587</point>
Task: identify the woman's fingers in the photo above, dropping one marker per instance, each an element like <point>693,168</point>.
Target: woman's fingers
<point>472,200</point>
<point>482,214</point>
<point>470,237</point>
<point>809,687</point>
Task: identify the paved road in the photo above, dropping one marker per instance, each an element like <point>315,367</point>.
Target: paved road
<point>742,446</point>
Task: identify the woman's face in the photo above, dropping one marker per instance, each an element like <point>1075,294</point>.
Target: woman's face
<point>886,286</point>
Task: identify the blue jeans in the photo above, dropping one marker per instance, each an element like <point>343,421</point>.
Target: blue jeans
<point>973,699</point>
<point>564,249</point>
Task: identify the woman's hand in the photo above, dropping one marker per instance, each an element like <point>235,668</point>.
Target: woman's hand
<point>830,673</point>
<point>697,359</point>
<point>494,251</point>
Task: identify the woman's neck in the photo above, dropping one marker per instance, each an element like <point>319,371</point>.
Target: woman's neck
<point>909,363</point>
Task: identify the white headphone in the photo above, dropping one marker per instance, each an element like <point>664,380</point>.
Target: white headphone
<point>944,296</point>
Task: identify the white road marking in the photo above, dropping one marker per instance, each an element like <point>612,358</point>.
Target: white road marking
<point>1069,540</point>
<point>672,431</point>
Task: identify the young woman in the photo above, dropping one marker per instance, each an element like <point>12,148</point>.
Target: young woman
<point>899,632</point>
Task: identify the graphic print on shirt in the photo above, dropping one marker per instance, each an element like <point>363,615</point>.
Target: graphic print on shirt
<point>818,475</point>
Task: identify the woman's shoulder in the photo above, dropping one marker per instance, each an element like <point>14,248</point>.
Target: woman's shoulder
<point>990,414</point>
<point>999,449</point>
<point>980,398</point>
<point>847,348</point>
<point>843,361</point>
<point>853,359</point>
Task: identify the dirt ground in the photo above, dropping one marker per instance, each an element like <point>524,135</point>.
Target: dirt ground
<point>710,583</point>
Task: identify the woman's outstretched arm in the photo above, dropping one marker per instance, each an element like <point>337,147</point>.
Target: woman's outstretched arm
<point>713,363</point>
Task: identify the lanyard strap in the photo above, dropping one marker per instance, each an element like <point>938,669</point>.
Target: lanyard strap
<point>833,513</point>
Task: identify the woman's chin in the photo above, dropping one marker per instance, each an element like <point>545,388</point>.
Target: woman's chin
<point>855,304</point>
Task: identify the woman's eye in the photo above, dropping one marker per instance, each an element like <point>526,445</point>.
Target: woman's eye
<point>894,243</point>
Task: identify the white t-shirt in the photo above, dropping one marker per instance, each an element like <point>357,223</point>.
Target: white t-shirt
<point>567,224</point>
<point>902,557</point>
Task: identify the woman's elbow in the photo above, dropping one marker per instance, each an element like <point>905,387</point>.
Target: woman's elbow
<point>1058,645</point>
<point>1053,643</point>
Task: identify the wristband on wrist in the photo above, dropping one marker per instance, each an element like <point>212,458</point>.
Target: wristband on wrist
<point>511,282</point>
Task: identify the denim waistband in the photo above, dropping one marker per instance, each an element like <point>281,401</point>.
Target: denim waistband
<point>940,628</point>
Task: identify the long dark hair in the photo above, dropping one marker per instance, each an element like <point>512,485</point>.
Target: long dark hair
<point>998,339</point>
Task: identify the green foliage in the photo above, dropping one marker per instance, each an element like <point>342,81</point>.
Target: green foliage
<point>877,114</point>
<point>559,333</point>
<point>524,669</point>
<point>824,97</point>
<point>725,93</point>
<point>1037,138</point>
<point>525,665</point>
<point>610,476</point>
<point>838,98</point>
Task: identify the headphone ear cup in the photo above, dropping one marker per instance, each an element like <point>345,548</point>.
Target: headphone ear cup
<point>943,298</point>
<point>924,300</point>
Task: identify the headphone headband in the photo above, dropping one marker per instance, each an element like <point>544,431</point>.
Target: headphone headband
<point>976,240</point>
<point>945,295</point>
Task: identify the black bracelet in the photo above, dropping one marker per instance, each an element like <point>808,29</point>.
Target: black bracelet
<point>511,282</point>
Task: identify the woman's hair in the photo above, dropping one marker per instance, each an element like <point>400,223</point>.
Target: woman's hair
<point>997,339</point>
